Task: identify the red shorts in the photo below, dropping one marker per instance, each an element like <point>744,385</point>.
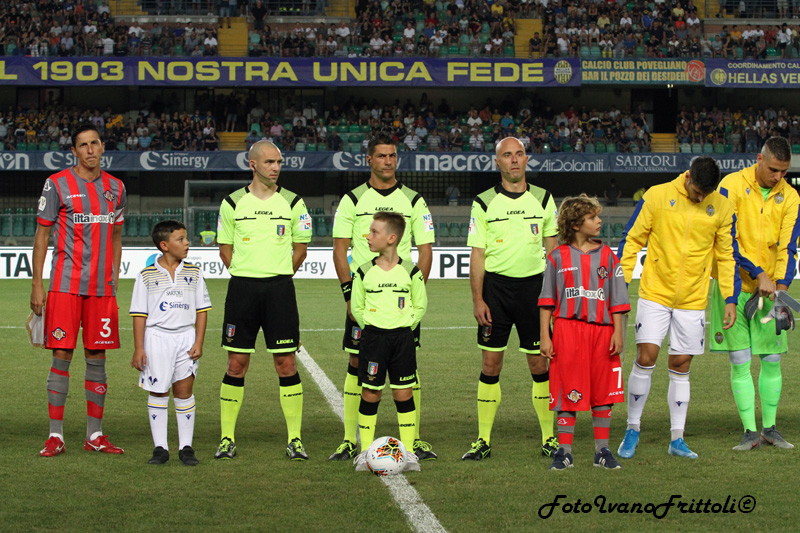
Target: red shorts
<point>65,314</point>
<point>583,374</point>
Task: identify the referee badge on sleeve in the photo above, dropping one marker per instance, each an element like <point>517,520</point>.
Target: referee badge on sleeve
<point>305,222</point>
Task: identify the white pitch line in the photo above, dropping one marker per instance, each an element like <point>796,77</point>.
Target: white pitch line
<point>407,498</point>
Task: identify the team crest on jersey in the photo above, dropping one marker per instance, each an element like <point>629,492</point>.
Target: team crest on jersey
<point>602,272</point>
<point>108,195</point>
<point>372,368</point>
<point>718,337</point>
<point>281,230</point>
<point>672,203</point>
<point>535,229</point>
<point>779,198</point>
<point>710,210</point>
<point>59,334</point>
<point>401,302</point>
<point>230,330</point>
<point>747,190</point>
<point>355,334</point>
<point>574,396</point>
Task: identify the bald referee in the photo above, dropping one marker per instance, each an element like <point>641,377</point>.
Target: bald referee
<point>263,234</point>
<point>512,228</point>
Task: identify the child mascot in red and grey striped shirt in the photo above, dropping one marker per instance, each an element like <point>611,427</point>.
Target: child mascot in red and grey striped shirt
<point>585,294</point>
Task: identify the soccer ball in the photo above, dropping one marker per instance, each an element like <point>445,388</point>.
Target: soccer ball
<point>386,456</point>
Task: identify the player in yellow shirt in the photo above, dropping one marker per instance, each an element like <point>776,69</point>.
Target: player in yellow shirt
<point>767,230</point>
<point>687,225</point>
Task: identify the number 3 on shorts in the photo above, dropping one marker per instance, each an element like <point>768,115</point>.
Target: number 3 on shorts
<point>105,330</point>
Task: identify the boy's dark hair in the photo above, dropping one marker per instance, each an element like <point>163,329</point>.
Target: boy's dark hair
<point>705,173</point>
<point>395,223</point>
<point>380,138</point>
<point>85,126</point>
<point>163,230</point>
<point>778,147</point>
<point>571,214</point>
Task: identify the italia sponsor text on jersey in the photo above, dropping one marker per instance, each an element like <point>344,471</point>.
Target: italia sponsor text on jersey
<point>580,292</point>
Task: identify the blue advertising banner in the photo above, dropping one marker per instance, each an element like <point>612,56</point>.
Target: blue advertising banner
<point>642,71</point>
<point>345,161</point>
<point>744,73</point>
<point>299,72</point>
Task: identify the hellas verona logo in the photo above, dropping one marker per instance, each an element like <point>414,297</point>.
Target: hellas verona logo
<point>562,72</point>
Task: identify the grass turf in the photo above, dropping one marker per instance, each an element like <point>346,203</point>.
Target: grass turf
<point>262,490</point>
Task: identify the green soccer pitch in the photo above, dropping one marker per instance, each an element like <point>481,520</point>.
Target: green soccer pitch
<point>263,491</point>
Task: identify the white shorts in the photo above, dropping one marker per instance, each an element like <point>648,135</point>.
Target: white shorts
<point>168,359</point>
<point>687,327</point>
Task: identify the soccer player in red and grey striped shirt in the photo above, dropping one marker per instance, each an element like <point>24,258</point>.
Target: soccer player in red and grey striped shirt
<point>83,207</point>
<point>585,291</point>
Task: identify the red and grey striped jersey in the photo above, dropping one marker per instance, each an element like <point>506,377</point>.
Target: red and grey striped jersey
<point>586,286</point>
<point>83,214</point>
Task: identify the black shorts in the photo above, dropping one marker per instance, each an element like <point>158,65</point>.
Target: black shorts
<point>351,341</point>
<point>261,303</point>
<point>387,350</point>
<point>511,301</point>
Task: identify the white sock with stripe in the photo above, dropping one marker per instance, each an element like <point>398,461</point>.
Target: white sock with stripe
<point>184,412</point>
<point>157,413</point>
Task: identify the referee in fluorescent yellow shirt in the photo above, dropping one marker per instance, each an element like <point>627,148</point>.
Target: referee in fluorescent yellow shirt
<point>512,228</point>
<point>263,234</point>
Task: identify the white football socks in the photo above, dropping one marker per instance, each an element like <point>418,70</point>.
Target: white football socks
<point>678,397</point>
<point>157,413</point>
<point>638,391</point>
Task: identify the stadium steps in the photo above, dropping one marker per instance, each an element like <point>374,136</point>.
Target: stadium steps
<point>232,140</point>
<point>125,8</point>
<point>233,40</point>
<point>525,30</point>
<point>663,142</point>
<point>341,8</point>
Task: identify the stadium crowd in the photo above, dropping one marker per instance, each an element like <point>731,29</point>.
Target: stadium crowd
<point>739,130</point>
<point>134,130</point>
<point>426,127</point>
<point>372,35</point>
<point>418,28</point>
<point>665,29</point>
<point>40,28</point>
